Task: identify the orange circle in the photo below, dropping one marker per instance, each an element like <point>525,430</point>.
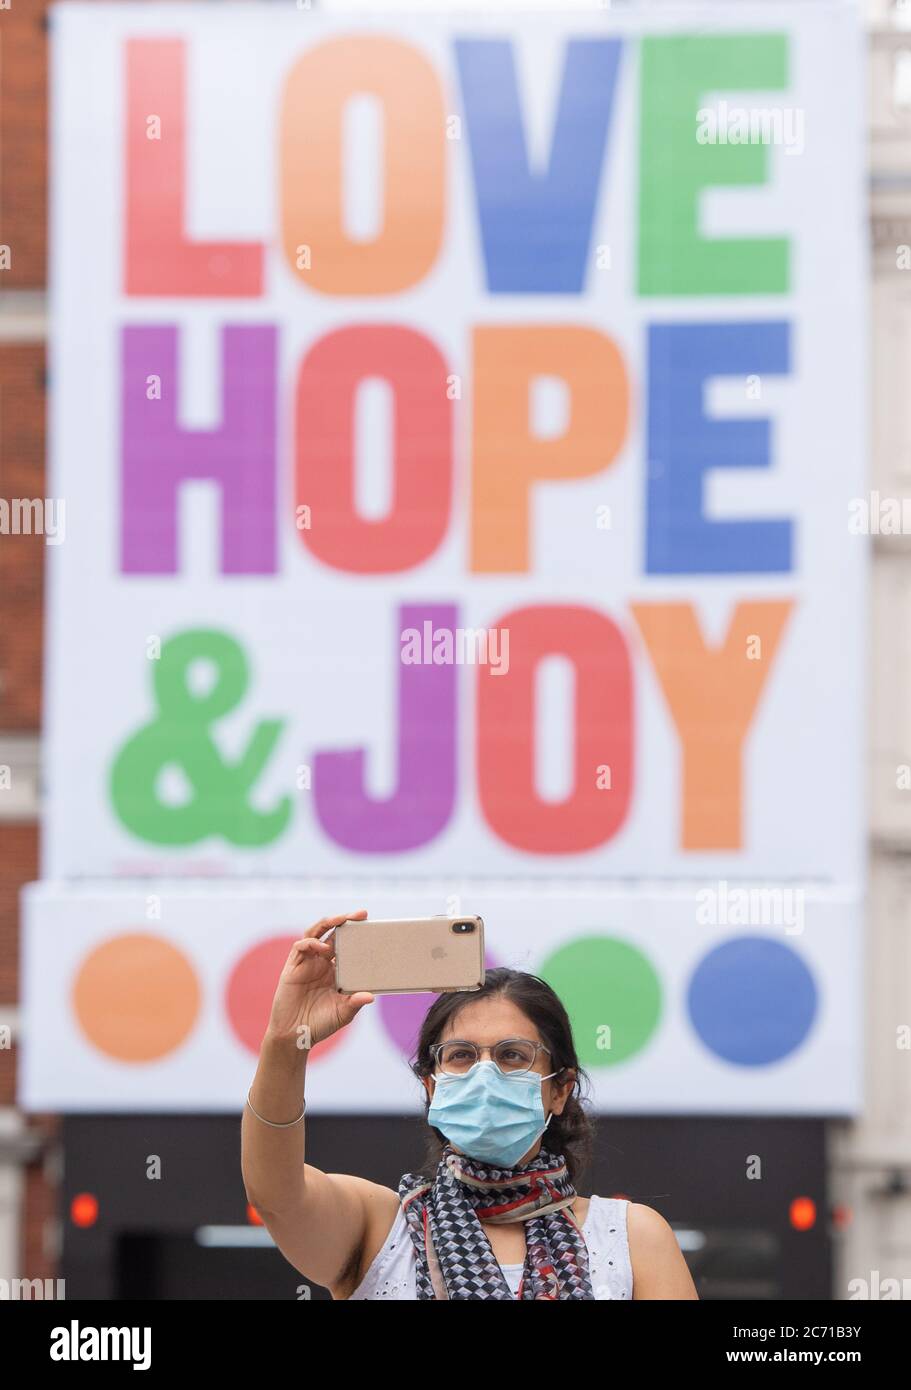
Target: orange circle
<point>136,997</point>
<point>253,1216</point>
<point>803,1213</point>
<point>84,1209</point>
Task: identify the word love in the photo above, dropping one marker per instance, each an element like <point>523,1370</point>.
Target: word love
<point>535,224</point>
<point>498,451</point>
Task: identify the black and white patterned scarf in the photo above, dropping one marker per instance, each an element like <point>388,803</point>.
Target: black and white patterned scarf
<point>446,1220</point>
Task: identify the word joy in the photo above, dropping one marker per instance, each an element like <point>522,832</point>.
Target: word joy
<point>179,733</point>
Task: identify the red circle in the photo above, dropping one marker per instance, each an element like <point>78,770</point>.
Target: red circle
<point>803,1213</point>
<point>84,1209</point>
<point>250,991</point>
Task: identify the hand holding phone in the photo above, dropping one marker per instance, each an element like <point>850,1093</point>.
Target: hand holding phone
<point>306,1007</point>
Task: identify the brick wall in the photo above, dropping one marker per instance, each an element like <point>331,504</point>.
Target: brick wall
<point>24,30</point>
<point>22,474</point>
<point>23,142</point>
<point>23,219</point>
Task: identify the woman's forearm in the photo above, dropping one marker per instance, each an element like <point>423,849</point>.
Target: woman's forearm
<point>272,1160</point>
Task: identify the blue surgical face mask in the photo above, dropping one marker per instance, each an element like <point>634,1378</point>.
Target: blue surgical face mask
<point>489,1115</point>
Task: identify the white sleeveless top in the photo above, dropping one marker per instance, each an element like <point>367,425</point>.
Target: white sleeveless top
<point>392,1273</point>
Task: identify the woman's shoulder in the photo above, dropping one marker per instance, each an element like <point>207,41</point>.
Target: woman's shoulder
<point>647,1227</point>
<point>659,1269</point>
<point>609,1212</point>
<point>646,1231</point>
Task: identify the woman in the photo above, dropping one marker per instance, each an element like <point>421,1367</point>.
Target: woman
<point>497,1215</point>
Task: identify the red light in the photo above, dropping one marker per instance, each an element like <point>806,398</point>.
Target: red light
<point>253,1216</point>
<point>803,1213</point>
<point>842,1217</point>
<point>84,1209</point>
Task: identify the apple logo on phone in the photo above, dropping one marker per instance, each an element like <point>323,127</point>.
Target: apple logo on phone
<point>438,952</point>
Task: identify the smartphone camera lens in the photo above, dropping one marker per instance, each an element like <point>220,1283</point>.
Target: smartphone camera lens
<point>462,927</point>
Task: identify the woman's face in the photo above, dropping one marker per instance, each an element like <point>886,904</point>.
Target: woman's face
<point>489,1021</point>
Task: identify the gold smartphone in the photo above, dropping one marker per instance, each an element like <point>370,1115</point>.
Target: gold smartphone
<point>410,955</point>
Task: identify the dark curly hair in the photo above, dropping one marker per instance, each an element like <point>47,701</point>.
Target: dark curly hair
<point>571,1133</point>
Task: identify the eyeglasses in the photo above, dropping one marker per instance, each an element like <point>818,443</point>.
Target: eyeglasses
<point>513,1055</point>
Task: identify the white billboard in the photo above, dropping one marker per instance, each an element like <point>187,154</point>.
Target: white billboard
<point>458,419</point>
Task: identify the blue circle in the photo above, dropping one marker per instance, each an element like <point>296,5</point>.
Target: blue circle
<point>752,1000</point>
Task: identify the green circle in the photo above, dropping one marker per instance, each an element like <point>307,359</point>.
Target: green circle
<point>611,993</point>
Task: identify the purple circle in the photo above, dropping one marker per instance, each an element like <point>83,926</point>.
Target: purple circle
<point>403,1014</point>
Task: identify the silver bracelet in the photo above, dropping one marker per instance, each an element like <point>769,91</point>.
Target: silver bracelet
<point>287,1124</point>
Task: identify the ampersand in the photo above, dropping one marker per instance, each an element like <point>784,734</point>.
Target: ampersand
<point>180,736</point>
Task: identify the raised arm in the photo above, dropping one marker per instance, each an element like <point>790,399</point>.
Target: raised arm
<point>320,1221</point>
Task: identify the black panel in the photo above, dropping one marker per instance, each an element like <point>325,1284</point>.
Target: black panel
<point>692,1170</point>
